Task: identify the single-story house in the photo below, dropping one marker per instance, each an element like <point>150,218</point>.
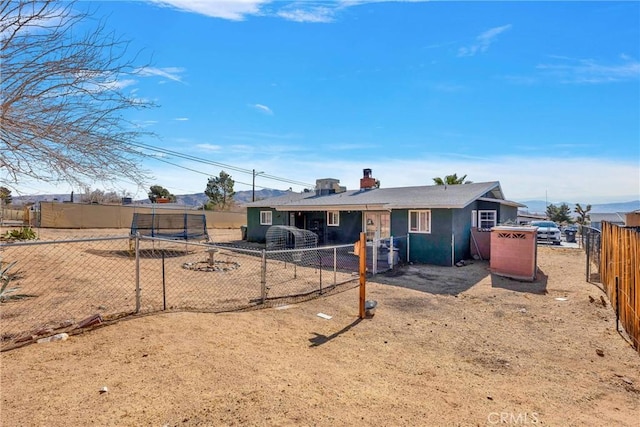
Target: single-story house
<point>435,219</point>
<point>617,218</point>
<point>525,218</point>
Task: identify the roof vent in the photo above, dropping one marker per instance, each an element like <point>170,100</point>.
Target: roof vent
<point>328,186</point>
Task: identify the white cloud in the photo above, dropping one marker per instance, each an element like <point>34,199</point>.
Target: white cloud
<point>181,119</point>
<point>573,186</point>
<point>234,10</point>
<point>239,10</point>
<point>145,123</point>
<point>483,41</point>
<point>171,73</point>
<point>263,108</point>
<point>316,14</point>
<point>121,84</point>
<point>535,184</point>
<point>209,147</point>
<point>589,71</point>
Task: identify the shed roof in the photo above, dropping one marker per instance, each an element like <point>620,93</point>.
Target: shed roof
<point>419,197</point>
<point>614,217</point>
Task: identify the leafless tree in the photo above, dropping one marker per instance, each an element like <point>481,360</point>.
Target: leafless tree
<point>100,196</point>
<point>63,97</point>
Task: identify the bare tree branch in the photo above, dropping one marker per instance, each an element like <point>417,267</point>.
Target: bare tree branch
<point>63,98</point>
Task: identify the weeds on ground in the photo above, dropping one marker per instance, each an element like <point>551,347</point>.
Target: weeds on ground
<point>7,293</point>
<point>23,233</point>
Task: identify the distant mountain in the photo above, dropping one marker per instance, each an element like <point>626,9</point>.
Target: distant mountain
<point>540,206</point>
<point>196,199</point>
<point>242,197</point>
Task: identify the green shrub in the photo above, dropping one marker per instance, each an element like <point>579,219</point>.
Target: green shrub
<point>23,233</point>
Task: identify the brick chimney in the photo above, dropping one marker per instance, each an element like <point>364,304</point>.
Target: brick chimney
<point>367,182</point>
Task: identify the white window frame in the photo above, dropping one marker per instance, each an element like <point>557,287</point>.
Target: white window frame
<point>333,218</point>
<point>483,222</point>
<point>474,218</point>
<point>422,216</point>
<point>266,217</point>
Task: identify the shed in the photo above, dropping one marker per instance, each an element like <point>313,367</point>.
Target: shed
<point>514,252</point>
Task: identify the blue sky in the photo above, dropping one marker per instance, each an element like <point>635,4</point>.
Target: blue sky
<point>541,96</point>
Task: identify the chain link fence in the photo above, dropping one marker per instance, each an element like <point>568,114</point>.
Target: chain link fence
<point>55,285</point>
<point>590,240</point>
<point>67,285</point>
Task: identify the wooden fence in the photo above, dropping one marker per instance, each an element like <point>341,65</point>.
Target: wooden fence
<point>79,215</point>
<point>620,275</point>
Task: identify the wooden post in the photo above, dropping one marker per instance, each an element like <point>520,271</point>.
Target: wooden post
<point>617,305</point>
<point>363,272</point>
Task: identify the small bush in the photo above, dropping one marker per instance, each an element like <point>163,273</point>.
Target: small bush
<point>23,233</point>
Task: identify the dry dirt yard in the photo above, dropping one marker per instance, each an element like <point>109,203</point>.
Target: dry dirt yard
<point>446,346</point>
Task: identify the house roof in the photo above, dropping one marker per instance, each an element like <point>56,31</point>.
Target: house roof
<point>615,217</point>
<point>421,197</point>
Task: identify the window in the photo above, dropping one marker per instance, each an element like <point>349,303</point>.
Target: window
<point>266,217</point>
<point>487,219</point>
<point>420,221</point>
<point>333,218</point>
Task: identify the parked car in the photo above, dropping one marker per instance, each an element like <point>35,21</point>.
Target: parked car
<point>548,231</point>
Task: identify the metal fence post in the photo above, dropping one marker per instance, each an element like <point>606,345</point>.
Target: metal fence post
<point>374,260</point>
<point>138,290</point>
<point>335,266</point>
<point>408,250</point>
<point>263,277</point>
<point>164,286</point>
<point>362,252</point>
<point>588,250</point>
<point>320,261</point>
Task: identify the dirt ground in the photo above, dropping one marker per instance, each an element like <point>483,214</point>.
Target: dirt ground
<point>446,346</point>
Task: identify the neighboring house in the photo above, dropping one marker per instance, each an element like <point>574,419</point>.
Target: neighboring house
<point>632,219</point>
<point>436,218</point>
<point>525,218</point>
<point>613,218</point>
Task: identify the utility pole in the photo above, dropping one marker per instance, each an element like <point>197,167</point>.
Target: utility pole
<point>253,196</point>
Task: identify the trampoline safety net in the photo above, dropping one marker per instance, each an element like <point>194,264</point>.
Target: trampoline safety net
<point>170,226</point>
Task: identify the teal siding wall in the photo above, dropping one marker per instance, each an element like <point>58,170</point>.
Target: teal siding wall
<point>399,228</point>
<point>257,232</point>
<point>433,248</point>
<point>462,232</point>
<point>506,214</point>
<point>347,232</point>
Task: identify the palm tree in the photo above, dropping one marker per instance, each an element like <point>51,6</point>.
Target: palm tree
<point>451,180</point>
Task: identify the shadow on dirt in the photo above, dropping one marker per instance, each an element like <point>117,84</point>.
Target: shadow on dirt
<point>320,339</point>
<point>435,279</point>
<point>145,254</point>
<point>539,286</point>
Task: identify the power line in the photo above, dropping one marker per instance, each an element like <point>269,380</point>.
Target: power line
<point>202,173</point>
<point>219,164</point>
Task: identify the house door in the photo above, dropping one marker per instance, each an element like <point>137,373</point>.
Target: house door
<point>377,225</point>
